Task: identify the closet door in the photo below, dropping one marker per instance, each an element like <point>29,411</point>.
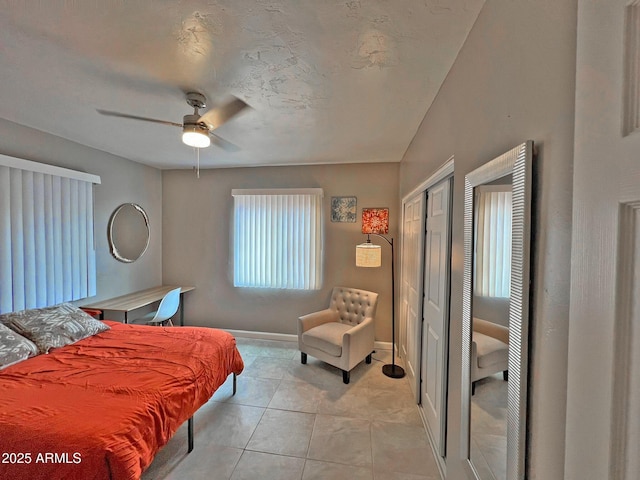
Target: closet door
<point>411,288</point>
<point>435,313</point>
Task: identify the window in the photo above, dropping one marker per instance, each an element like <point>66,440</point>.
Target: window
<point>277,238</point>
<point>493,241</point>
<point>47,253</point>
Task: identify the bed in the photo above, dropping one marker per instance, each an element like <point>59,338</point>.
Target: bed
<point>100,408</point>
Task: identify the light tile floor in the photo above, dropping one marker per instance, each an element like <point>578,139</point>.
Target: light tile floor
<point>290,421</point>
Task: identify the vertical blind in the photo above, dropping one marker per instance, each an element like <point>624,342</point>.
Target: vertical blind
<point>278,238</point>
<point>493,241</point>
<point>47,253</point>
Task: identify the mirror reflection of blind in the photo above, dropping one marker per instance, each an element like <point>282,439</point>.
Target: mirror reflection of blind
<point>47,253</point>
<point>278,238</point>
<point>492,272</point>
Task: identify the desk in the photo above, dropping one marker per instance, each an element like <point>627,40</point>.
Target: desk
<point>133,301</point>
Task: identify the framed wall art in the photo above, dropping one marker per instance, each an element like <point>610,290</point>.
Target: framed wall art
<point>375,220</point>
<point>343,209</point>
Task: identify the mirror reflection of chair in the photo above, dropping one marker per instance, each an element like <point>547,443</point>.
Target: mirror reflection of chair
<point>166,310</point>
<point>343,334</point>
<point>489,351</point>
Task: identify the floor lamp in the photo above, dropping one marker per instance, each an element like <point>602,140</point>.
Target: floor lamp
<point>370,255</point>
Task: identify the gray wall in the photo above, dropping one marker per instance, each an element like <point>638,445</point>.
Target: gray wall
<point>495,310</point>
<point>513,80</point>
<point>197,243</point>
<point>122,181</point>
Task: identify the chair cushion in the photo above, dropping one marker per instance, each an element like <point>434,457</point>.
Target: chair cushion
<point>353,305</point>
<point>491,351</point>
<point>327,337</point>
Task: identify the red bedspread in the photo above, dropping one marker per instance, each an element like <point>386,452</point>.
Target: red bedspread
<point>102,407</point>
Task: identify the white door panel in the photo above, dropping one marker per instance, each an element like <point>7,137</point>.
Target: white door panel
<point>433,348</point>
<point>411,289</point>
<point>435,312</point>
<point>603,374</point>
<point>434,273</point>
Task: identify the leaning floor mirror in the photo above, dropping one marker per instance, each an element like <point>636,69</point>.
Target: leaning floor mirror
<point>495,315</point>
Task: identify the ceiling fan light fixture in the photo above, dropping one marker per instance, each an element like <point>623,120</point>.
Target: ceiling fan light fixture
<point>197,130</point>
<point>196,136</point>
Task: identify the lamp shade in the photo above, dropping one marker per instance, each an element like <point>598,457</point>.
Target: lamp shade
<point>368,255</point>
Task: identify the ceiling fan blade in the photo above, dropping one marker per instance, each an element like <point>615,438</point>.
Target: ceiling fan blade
<point>136,117</point>
<point>215,117</point>
<point>222,143</point>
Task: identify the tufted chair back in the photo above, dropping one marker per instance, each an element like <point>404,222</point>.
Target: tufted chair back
<point>353,305</point>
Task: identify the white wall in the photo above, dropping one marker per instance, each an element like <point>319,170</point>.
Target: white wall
<point>122,181</point>
<point>197,243</point>
<point>513,80</point>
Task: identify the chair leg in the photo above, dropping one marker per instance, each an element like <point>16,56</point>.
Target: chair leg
<point>303,358</point>
<point>505,375</point>
<point>368,359</point>
<point>345,376</point>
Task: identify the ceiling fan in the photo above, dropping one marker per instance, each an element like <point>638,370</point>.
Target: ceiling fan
<point>197,130</point>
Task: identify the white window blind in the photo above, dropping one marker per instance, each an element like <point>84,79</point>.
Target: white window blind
<point>47,253</point>
<point>278,238</point>
<point>493,241</point>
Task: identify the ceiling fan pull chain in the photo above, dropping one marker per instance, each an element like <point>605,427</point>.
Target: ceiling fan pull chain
<point>197,162</point>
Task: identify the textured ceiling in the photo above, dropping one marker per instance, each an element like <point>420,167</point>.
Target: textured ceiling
<point>329,81</point>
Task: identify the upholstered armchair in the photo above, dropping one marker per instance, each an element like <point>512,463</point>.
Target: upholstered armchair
<point>489,350</point>
<point>343,334</point>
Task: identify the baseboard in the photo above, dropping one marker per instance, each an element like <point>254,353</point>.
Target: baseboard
<point>382,345</point>
<point>287,337</point>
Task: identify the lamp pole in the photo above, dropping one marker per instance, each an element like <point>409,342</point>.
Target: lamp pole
<point>391,370</point>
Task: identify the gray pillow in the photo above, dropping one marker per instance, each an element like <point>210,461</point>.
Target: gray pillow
<point>53,327</point>
<point>14,348</point>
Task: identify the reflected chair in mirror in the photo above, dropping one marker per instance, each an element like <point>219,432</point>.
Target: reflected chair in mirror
<point>489,351</point>
<point>343,334</point>
<point>166,310</point>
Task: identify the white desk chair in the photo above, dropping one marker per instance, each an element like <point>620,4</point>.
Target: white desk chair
<point>167,309</point>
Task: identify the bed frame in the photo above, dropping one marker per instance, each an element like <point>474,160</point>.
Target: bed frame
<point>190,421</point>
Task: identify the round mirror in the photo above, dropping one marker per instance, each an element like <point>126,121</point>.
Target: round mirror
<point>128,232</point>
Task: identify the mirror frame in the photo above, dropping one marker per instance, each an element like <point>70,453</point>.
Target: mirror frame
<point>518,162</point>
<point>112,247</point>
